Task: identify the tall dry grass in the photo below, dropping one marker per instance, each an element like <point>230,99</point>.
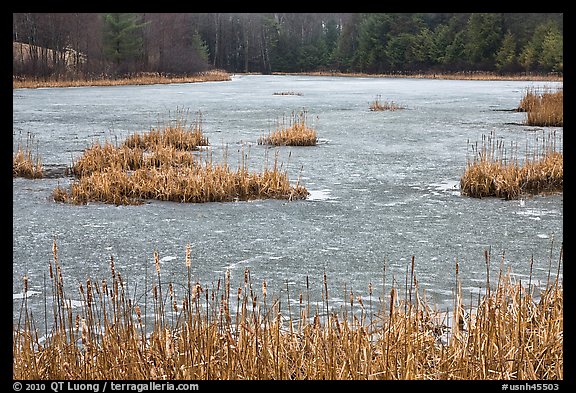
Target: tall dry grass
<point>163,165</point>
<point>295,133</point>
<point>377,105</point>
<point>543,108</point>
<point>227,331</point>
<point>23,162</point>
<point>495,171</point>
<point>143,78</point>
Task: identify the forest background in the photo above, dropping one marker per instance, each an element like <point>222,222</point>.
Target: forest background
<point>61,46</point>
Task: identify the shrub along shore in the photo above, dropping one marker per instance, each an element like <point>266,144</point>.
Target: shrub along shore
<point>513,331</point>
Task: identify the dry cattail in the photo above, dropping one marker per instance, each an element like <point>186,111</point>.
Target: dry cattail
<point>188,260</point>
<point>25,284</point>
<point>157,261</point>
<point>264,289</point>
<point>84,331</point>
<point>112,266</point>
<point>89,293</point>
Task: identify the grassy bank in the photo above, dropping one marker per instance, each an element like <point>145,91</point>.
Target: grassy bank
<point>469,75</point>
<point>145,78</point>
<point>227,331</point>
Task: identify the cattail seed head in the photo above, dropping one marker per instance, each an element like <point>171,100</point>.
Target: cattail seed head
<point>188,261</point>
<point>112,265</point>
<point>84,331</point>
<point>157,261</point>
<point>25,284</point>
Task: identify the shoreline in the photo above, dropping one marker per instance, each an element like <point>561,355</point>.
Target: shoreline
<point>220,76</point>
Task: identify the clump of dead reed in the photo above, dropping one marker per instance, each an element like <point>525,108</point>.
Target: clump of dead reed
<point>164,165</point>
<point>378,105</point>
<point>287,93</point>
<point>23,163</point>
<point>227,331</point>
<point>543,108</point>
<point>143,78</point>
<point>295,133</point>
<point>175,134</point>
<point>495,171</point>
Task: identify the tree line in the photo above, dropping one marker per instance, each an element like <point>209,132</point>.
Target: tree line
<point>89,45</point>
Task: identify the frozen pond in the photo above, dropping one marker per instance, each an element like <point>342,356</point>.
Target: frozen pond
<point>384,186</point>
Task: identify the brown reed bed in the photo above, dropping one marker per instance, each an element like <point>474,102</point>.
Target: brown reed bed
<point>463,75</point>
<point>543,108</point>
<point>225,331</point>
<point>143,78</point>
<point>287,93</point>
<point>378,105</point>
<point>495,171</point>
<point>164,165</point>
<point>295,133</point>
<point>23,162</point>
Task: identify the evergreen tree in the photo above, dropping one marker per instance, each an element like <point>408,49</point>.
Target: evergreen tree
<point>123,41</point>
<point>483,39</point>
<point>544,52</point>
<point>506,56</point>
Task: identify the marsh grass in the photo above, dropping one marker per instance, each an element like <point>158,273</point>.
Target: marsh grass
<point>242,331</point>
<point>143,78</point>
<point>495,171</point>
<point>378,105</point>
<point>543,108</point>
<point>295,133</point>
<point>24,164</point>
<point>164,164</point>
<point>287,93</point>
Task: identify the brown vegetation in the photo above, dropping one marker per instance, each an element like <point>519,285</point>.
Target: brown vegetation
<point>222,331</point>
<point>545,109</point>
<point>378,105</point>
<point>144,78</point>
<point>296,133</point>
<point>23,164</point>
<point>492,173</point>
<point>162,165</point>
<point>464,75</point>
